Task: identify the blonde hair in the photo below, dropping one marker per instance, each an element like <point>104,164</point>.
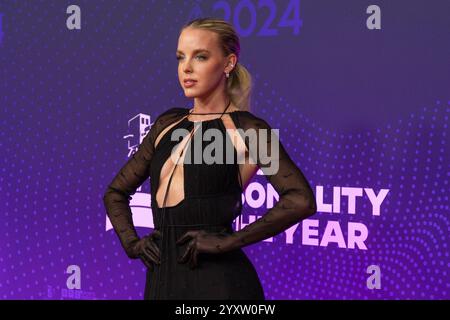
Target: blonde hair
<point>239,84</point>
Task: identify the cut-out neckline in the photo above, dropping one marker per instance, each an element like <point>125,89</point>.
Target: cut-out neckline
<point>186,119</point>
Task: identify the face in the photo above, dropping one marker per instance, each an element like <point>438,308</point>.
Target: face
<point>200,58</point>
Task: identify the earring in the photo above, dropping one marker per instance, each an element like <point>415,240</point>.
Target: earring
<point>227,74</point>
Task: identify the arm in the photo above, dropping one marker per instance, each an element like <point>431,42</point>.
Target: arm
<point>118,193</point>
<point>296,198</point>
<point>117,196</point>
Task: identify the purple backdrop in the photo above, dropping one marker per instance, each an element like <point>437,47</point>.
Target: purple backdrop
<point>362,111</point>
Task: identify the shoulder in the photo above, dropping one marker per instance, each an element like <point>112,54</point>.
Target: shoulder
<point>169,116</point>
<point>164,119</point>
<point>247,120</point>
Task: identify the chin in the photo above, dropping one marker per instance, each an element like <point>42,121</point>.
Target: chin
<point>190,94</point>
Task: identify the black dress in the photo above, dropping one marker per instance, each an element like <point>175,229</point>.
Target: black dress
<point>213,199</point>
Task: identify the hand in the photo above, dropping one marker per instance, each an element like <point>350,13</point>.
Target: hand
<point>147,250</point>
<point>203,241</point>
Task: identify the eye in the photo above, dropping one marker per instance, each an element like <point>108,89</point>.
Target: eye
<point>200,56</point>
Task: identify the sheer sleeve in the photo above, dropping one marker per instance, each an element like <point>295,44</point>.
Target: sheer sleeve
<point>117,197</point>
<point>296,198</point>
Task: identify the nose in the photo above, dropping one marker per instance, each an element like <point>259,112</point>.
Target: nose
<point>187,67</point>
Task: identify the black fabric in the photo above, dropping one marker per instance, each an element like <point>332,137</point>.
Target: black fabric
<point>212,201</point>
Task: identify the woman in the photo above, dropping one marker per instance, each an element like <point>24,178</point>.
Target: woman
<point>193,252</point>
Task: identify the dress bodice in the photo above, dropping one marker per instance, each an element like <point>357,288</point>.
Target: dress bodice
<point>203,175</point>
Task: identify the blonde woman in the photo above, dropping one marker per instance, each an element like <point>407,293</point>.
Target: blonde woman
<point>193,252</point>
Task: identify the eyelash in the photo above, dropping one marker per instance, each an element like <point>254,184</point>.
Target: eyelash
<point>203,57</point>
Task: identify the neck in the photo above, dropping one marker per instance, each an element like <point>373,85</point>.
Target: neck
<point>225,106</point>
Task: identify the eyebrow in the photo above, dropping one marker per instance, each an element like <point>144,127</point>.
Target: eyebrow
<point>196,50</point>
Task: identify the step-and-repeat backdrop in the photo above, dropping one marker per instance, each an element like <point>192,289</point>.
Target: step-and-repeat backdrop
<point>360,91</point>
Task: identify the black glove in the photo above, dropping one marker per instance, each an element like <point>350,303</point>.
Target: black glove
<point>202,241</point>
<point>147,250</point>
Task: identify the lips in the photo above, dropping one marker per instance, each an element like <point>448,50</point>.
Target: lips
<point>189,83</point>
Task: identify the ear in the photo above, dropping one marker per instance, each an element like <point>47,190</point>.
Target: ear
<point>231,62</point>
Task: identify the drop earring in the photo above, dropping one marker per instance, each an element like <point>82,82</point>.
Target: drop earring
<point>228,74</point>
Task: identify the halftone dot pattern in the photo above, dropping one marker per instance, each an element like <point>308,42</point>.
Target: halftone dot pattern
<point>407,241</point>
<point>64,112</point>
